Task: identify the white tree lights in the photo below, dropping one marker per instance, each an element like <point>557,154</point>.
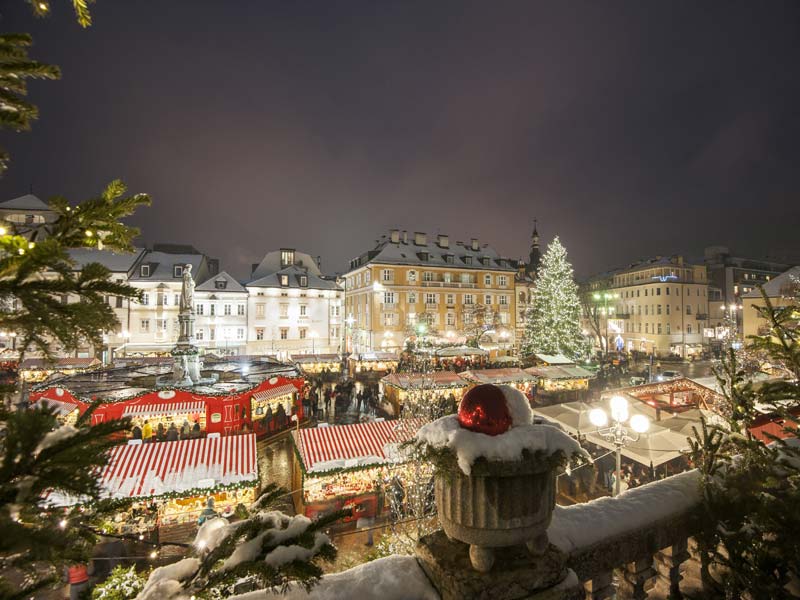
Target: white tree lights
<point>553,323</point>
<point>617,433</point>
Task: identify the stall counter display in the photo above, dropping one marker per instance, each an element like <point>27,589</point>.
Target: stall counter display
<point>187,510</point>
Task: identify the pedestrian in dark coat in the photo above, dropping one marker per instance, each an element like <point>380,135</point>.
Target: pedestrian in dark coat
<point>172,433</point>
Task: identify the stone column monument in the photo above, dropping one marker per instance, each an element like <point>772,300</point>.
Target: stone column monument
<point>186,371</point>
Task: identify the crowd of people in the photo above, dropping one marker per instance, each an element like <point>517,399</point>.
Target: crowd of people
<point>171,433</point>
<point>323,398</point>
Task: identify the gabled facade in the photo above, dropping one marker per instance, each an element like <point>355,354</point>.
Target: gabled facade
<point>220,307</point>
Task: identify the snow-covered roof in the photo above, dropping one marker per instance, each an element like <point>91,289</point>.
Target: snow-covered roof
<point>26,202</point>
<point>163,467</point>
<point>434,254</point>
<point>116,262</point>
<point>778,285</point>
<point>162,266</point>
<point>224,279</point>
<point>271,263</point>
<point>555,359</point>
<point>294,272</point>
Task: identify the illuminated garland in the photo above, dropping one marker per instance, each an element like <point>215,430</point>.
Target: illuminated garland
<point>336,471</point>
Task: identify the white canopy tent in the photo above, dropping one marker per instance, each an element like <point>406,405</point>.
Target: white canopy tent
<point>666,439</point>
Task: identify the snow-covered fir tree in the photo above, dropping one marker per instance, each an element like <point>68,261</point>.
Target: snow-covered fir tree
<point>553,323</point>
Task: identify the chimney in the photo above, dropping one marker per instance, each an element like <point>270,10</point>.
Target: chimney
<point>420,239</point>
<point>405,236</point>
<point>474,244</point>
<point>319,262</point>
<point>444,241</point>
<point>394,235</point>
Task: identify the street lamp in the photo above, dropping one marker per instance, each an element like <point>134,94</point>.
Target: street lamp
<point>617,433</point>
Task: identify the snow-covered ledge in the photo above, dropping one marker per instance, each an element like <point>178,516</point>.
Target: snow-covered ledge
<point>642,532</point>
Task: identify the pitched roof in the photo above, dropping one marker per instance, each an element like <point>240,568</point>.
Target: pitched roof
<point>271,263</point>
<point>117,262</point>
<point>162,263</point>
<point>777,286</point>
<point>26,202</point>
<point>432,254</point>
<point>315,282</point>
<point>211,284</point>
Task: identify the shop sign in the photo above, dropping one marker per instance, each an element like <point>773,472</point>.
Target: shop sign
<point>166,394</point>
<point>216,417</point>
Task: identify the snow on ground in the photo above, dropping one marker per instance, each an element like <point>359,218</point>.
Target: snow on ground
<point>470,445</point>
<point>390,578</point>
<point>584,524</point>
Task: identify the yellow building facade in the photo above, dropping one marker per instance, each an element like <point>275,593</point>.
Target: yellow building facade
<point>410,287</point>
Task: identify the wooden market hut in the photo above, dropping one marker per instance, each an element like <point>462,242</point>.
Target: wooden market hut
<point>344,466</point>
<point>398,386</point>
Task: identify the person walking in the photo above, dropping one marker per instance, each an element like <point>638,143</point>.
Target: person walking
<point>77,576</point>
<point>147,432</point>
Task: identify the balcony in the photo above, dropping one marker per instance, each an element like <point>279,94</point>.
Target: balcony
<point>432,307</point>
<point>701,316</point>
<point>624,316</point>
<point>450,284</point>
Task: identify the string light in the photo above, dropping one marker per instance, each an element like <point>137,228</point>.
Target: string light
<point>154,554</point>
<point>31,245</point>
<point>21,251</point>
<point>2,231</point>
<point>89,233</point>
<point>62,523</point>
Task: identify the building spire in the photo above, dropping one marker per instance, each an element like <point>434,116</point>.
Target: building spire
<point>535,255</point>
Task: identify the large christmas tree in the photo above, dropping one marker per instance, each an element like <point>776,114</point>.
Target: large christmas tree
<point>553,323</point>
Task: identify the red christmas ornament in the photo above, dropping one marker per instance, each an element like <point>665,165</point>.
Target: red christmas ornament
<point>483,409</point>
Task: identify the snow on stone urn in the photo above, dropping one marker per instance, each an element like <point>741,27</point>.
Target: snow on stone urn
<point>495,472</point>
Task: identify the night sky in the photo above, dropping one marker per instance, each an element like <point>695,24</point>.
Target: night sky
<point>630,129</point>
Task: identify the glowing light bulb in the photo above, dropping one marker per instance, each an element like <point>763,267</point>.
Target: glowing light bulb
<point>89,233</point>
<point>21,251</point>
<point>619,409</point>
<point>2,231</point>
<point>31,245</point>
<point>62,523</point>
<point>598,417</point>
<point>153,554</point>
<point>640,423</point>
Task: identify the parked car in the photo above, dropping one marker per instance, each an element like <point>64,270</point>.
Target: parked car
<point>667,375</point>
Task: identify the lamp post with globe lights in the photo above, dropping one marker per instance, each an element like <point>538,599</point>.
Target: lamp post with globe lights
<point>618,433</point>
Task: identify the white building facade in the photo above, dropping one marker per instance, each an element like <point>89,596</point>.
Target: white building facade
<point>292,308</point>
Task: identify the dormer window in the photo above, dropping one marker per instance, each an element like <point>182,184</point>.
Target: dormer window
<point>177,270</point>
<point>485,261</point>
<point>467,260</point>
<point>284,280</point>
<point>287,257</point>
<point>144,271</point>
<point>423,256</point>
<point>220,284</point>
<point>303,280</point>
<point>449,259</point>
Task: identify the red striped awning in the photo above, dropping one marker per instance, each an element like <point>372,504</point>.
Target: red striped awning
<point>276,392</point>
<point>61,407</point>
<point>163,409</point>
<point>322,448</point>
<point>163,467</point>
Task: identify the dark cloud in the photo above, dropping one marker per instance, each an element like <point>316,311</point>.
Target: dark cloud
<point>628,128</point>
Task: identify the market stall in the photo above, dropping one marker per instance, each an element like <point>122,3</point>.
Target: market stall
<point>34,370</point>
<point>560,378</point>
<point>271,409</point>
<point>345,466</point>
<point>372,362</point>
<point>175,480</point>
<point>513,376</point>
<point>317,363</point>
<point>66,410</point>
<point>397,388</point>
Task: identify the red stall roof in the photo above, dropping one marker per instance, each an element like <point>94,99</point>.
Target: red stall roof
<point>148,409</point>
<point>162,467</point>
<point>275,392</point>
<point>62,407</point>
<point>326,448</point>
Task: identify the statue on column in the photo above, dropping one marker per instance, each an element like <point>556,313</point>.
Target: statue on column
<point>187,290</point>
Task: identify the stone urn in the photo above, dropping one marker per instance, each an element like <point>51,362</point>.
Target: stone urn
<point>501,503</point>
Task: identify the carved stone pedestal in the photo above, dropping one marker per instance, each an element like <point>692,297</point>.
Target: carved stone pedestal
<point>516,574</point>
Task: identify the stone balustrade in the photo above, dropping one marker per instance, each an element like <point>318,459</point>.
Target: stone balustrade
<point>631,546</point>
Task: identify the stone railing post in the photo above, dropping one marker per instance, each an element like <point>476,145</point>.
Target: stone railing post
<point>600,586</point>
<point>668,565</point>
<point>633,578</point>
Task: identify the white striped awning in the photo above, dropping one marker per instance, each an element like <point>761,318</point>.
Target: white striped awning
<point>323,448</point>
<point>61,407</point>
<point>163,409</point>
<point>276,392</point>
<point>163,467</point>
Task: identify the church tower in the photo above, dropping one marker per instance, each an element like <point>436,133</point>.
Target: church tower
<point>535,256</point>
